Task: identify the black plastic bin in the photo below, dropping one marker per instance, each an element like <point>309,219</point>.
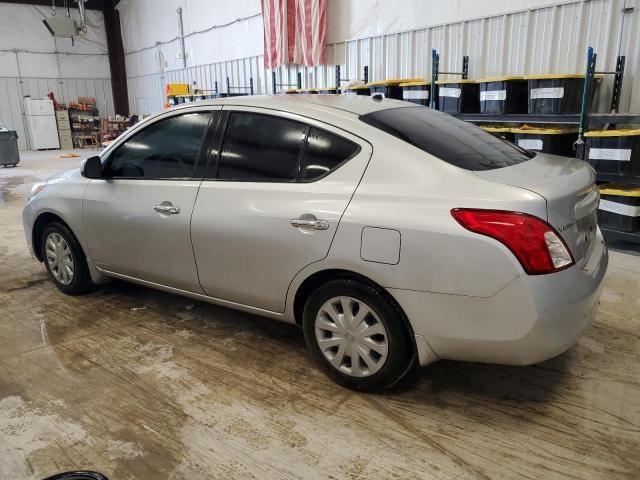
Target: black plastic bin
<point>417,92</point>
<point>357,90</point>
<point>503,95</point>
<point>558,141</point>
<point>9,155</point>
<point>458,96</point>
<point>615,152</point>
<point>558,93</point>
<point>328,91</point>
<point>500,131</point>
<point>390,88</point>
<point>619,208</point>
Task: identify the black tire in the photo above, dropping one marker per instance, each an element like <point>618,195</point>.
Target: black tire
<point>401,349</point>
<point>81,281</point>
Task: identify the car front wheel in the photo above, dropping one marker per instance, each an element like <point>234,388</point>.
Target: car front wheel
<point>359,337</point>
<point>64,259</point>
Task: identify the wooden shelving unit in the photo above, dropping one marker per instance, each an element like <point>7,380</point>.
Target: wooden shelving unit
<point>85,127</point>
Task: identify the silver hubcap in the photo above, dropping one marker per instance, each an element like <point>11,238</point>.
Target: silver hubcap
<point>351,336</point>
<point>59,258</point>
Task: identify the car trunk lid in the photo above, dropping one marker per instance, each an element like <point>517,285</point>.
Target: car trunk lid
<point>568,186</point>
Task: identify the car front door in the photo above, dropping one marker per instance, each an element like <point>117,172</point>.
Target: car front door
<point>275,191</point>
<point>137,218</point>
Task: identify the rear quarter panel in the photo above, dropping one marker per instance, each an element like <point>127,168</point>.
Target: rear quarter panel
<point>410,191</point>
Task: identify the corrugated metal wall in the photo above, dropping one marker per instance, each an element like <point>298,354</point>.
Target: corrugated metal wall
<point>12,91</point>
<point>544,40</point>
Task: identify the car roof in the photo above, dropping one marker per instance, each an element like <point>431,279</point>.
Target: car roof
<point>351,105</point>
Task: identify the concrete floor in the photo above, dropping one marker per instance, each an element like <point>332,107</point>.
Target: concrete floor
<point>142,384</point>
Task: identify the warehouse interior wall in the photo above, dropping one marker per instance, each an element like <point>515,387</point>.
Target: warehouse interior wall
<point>32,62</point>
<point>354,19</point>
<point>501,37</point>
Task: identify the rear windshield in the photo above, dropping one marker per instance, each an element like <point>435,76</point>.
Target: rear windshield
<point>455,141</point>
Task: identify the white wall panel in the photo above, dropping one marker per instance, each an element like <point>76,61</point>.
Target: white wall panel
<point>535,36</point>
<point>40,53</point>
<point>38,65</point>
<point>351,19</point>
<point>13,90</point>
<point>83,66</point>
<point>551,39</point>
<point>212,33</point>
<point>32,62</point>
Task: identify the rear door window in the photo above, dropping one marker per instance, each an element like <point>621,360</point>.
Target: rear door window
<point>261,148</point>
<point>454,141</point>
<point>265,148</point>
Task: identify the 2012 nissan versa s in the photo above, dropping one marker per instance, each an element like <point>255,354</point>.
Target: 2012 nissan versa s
<point>392,233</point>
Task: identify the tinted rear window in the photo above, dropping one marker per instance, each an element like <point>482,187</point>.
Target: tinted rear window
<point>261,148</point>
<point>455,141</point>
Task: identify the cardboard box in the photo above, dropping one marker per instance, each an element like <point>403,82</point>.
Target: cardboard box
<point>87,100</point>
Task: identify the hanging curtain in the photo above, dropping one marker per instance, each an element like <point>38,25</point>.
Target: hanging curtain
<point>294,32</point>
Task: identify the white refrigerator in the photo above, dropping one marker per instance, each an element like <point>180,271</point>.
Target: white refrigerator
<point>41,123</point>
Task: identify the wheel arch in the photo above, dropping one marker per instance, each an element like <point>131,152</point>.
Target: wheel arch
<point>424,352</point>
<point>44,219</point>
<point>313,281</point>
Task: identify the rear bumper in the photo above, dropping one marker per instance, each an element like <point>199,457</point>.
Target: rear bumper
<point>530,320</point>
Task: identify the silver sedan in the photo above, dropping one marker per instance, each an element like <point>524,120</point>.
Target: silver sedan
<point>393,234</point>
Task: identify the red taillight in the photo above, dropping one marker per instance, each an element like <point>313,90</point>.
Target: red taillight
<point>533,241</point>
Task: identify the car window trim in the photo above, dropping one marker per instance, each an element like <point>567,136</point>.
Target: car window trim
<point>109,159</point>
<point>218,142</point>
<point>223,125</point>
<point>211,143</point>
<point>302,152</point>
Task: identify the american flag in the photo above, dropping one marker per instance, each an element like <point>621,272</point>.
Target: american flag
<point>294,32</point>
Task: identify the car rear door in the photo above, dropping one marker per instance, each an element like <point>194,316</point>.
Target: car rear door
<point>137,218</point>
<point>275,191</point>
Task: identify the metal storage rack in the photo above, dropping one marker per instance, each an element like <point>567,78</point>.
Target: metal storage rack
<point>242,89</point>
<point>365,76</point>
<point>275,84</point>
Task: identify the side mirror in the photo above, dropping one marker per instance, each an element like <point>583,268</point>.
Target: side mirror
<point>91,167</point>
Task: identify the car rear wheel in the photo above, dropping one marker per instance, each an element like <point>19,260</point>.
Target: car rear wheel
<point>64,259</point>
<point>359,337</point>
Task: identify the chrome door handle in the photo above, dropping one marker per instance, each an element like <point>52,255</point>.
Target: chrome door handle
<point>167,209</point>
<point>315,224</point>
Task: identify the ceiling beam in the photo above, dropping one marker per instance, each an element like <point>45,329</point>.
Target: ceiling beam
<point>90,5</point>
